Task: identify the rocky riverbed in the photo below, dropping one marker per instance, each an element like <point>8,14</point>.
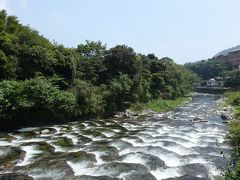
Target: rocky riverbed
<point>153,147</point>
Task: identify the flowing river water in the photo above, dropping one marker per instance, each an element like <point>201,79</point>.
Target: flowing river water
<point>154,147</point>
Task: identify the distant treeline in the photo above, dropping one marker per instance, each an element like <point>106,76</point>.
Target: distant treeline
<point>207,69</point>
<point>41,81</point>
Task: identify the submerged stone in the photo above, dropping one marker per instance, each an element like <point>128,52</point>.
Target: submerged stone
<point>77,156</point>
<point>11,156</point>
<point>46,148</point>
<point>83,139</point>
<point>47,169</point>
<point>64,141</point>
<point>108,153</point>
<point>93,133</point>
<point>15,176</point>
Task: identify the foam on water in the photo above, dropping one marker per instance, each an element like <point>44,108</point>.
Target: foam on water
<point>73,138</point>
<point>134,142</point>
<point>176,149</point>
<point>133,158</point>
<point>213,170</point>
<point>30,152</point>
<point>79,168</point>
<point>196,160</point>
<point>108,134</point>
<point>167,173</point>
<point>5,143</point>
<point>2,152</point>
<point>171,160</point>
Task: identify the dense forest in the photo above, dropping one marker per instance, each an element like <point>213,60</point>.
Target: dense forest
<point>41,81</point>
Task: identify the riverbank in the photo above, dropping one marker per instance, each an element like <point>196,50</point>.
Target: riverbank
<point>232,99</point>
<point>161,105</point>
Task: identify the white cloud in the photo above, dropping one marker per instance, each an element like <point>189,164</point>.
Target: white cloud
<point>4,5</point>
<point>22,3</point>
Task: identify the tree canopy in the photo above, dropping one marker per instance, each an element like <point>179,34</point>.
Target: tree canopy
<point>44,81</point>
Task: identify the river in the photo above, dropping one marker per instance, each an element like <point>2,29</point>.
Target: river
<point>155,147</point>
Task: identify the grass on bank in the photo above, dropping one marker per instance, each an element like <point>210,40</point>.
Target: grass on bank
<point>233,99</point>
<point>160,105</point>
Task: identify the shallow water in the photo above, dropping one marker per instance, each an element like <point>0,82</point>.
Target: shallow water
<point>157,146</point>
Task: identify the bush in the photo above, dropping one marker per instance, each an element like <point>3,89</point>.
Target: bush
<point>89,99</point>
<point>35,99</point>
<point>233,98</point>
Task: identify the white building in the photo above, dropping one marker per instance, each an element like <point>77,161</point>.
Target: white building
<point>212,83</point>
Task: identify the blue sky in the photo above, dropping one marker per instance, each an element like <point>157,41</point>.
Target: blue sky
<point>185,30</point>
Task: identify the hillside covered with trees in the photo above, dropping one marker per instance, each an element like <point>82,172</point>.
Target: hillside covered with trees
<point>207,69</point>
<point>41,81</point>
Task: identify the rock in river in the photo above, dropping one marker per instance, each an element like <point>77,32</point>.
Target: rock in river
<point>47,169</point>
<point>226,116</point>
<point>15,176</point>
<point>11,156</point>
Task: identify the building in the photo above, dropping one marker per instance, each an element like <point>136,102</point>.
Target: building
<point>212,83</point>
<point>234,59</point>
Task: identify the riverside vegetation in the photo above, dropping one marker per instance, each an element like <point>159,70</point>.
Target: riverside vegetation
<point>44,82</point>
<point>233,98</point>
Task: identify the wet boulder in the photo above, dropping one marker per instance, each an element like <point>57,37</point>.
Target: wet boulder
<point>108,153</point>
<point>195,170</point>
<point>46,148</point>
<point>47,169</point>
<point>9,156</point>
<point>226,116</point>
<point>83,139</point>
<point>66,128</point>
<point>77,156</point>
<point>6,137</point>
<point>48,131</point>
<point>139,176</point>
<point>15,176</point>
<point>93,133</point>
<point>120,144</point>
<point>30,134</point>
<point>64,142</point>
